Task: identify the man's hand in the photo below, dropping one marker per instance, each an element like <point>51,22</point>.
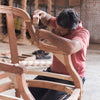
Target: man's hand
<point>41,15</point>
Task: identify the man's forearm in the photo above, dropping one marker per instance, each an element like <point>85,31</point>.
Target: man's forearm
<point>64,44</point>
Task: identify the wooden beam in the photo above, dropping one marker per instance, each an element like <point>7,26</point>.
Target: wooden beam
<point>12,38</point>
<point>23,88</point>
<point>12,68</point>
<point>50,85</point>
<point>75,94</point>
<point>1,24</point>
<point>6,97</point>
<point>5,87</point>
<point>49,6</point>
<point>36,2</point>
<point>74,2</point>
<point>10,2</point>
<point>3,75</point>
<point>54,75</point>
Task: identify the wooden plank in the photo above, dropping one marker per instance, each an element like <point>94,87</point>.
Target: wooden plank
<point>12,68</point>
<point>0,23</point>
<point>23,88</point>
<point>50,85</point>
<point>54,75</point>
<point>58,2</point>
<point>12,38</point>
<point>43,2</point>
<point>75,94</point>
<point>36,2</point>
<point>61,3</point>
<point>74,2</point>
<point>49,6</point>
<point>23,38</point>
<point>10,2</point>
<point>3,75</point>
<point>6,97</point>
<point>5,87</point>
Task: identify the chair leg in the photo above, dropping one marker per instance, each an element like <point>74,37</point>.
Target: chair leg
<point>17,93</point>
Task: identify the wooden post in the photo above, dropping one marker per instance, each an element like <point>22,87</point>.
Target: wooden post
<point>49,6</point>
<point>55,7</point>
<point>36,2</point>
<point>10,2</point>
<point>6,39</point>
<point>22,38</point>
<point>0,21</point>
<point>49,11</point>
<point>1,35</point>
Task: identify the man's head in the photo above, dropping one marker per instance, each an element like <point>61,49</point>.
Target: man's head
<point>68,19</point>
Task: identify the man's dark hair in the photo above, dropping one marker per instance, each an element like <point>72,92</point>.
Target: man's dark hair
<point>68,18</point>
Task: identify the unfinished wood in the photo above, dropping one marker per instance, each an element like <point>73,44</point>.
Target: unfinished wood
<point>50,85</point>
<point>3,75</point>
<point>17,76</point>
<point>10,2</point>
<point>18,12</point>
<point>6,97</point>
<point>47,2</point>
<point>12,37</point>
<point>58,2</point>
<point>43,2</point>
<point>6,39</point>
<point>1,25</point>
<point>71,69</point>
<point>49,6</point>
<point>75,94</point>
<point>22,38</point>
<point>5,86</point>
<point>54,75</point>
<point>67,60</point>
<point>23,88</point>
<point>36,4</point>
<point>0,19</point>
<point>19,71</point>
<point>12,68</point>
<point>35,63</point>
<point>74,2</point>
<point>61,3</point>
<point>76,78</point>
<point>60,57</point>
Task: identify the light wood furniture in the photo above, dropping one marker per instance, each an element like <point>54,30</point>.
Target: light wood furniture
<point>17,72</point>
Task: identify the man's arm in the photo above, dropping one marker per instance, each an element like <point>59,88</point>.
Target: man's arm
<point>63,44</point>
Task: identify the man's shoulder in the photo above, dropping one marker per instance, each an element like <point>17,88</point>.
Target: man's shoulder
<point>81,30</point>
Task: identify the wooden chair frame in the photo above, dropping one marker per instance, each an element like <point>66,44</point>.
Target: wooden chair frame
<point>18,71</point>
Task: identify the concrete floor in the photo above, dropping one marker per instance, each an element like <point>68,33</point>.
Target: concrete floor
<point>92,84</point>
